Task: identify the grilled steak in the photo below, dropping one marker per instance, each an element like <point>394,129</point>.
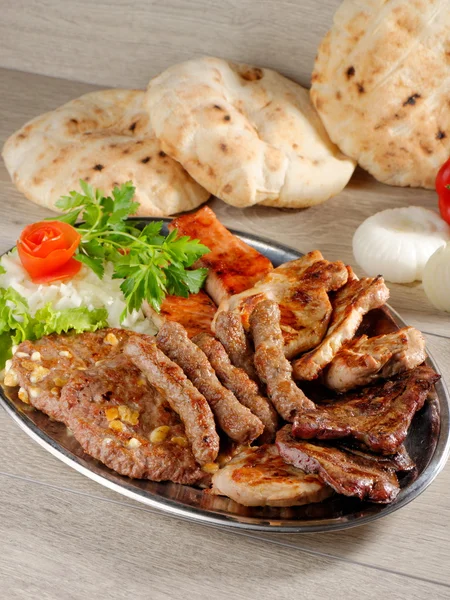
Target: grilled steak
<point>230,331</point>
<point>377,416</point>
<point>350,304</point>
<point>260,477</point>
<point>43,367</point>
<point>114,414</point>
<point>400,461</point>
<point>232,417</point>
<point>170,381</point>
<point>195,313</point>
<point>346,473</point>
<point>300,288</point>
<point>272,366</point>
<point>238,382</point>
<point>364,360</point>
<point>233,265</point>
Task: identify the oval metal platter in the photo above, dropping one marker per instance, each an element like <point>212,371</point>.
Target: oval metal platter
<point>428,443</point>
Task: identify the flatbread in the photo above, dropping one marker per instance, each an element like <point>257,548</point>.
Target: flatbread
<point>105,138</point>
<point>381,85</point>
<point>247,135</point>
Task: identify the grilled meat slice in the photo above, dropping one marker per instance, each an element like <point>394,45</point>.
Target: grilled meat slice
<point>300,288</point>
<point>272,366</point>
<point>114,413</point>
<point>233,265</point>
<point>232,417</point>
<point>231,333</point>
<point>364,360</point>
<point>378,416</point>
<point>170,381</point>
<point>346,473</point>
<point>43,367</point>
<point>350,304</point>
<point>400,461</point>
<point>238,382</point>
<point>195,313</point>
<point>260,477</point>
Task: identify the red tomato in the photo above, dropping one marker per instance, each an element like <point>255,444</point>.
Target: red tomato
<point>442,181</point>
<point>46,250</point>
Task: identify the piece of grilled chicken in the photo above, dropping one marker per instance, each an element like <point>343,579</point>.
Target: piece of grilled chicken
<point>300,287</point>
<point>364,360</point>
<point>260,477</point>
<point>356,298</point>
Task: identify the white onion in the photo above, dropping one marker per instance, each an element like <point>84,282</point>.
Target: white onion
<point>436,278</point>
<point>398,242</point>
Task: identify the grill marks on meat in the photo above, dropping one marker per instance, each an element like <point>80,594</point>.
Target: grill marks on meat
<point>350,304</point>
<point>121,441</point>
<point>272,366</point>
<point>170,381</point>
<point>231,333</point>
<point>400,461</point>
<point>377,416</point>
<point>346,473</point>
<point>363,360</point>
<point>233,265</point>
<point>195,313</point>
<point>60,356</point>
<point>300,288</point>
<point>238,382</point>
<point>260,477</point>
<point>232,417</point>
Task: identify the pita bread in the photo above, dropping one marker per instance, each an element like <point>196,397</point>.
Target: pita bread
<point>381,85</point>
<point>105,138</point>
<point>248,135</point>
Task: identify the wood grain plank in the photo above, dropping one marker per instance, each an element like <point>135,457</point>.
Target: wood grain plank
<point>125,43</point>
<point>102,550</point>
<point>396,542</point>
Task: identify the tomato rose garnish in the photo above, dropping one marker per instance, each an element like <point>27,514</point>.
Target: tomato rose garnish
<point>46,250</point>
<point>443,190</point>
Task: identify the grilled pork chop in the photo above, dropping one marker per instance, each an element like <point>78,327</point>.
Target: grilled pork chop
<point>364,360</point>
<point>114,413</point>
<point>238,382</point>
<point>231,333</point>
<point>43,367</point>
<point>300,288</point>
<point>237,421</point>
<point>378,416</point>
<point>233,265</point>
<point>350,304</point>
<point>260,477</point>
<point>195,313</point>
<point>170,381</point>
<point>346,473</point>
<point>400,461</point>
<point>272,366</point>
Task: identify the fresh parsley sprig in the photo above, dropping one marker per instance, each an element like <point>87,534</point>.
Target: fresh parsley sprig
<point>152,265</point>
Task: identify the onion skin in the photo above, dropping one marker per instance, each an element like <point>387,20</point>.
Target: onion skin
<point>436,278</point>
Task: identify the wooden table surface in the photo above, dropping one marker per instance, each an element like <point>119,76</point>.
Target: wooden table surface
<point>63,536</point>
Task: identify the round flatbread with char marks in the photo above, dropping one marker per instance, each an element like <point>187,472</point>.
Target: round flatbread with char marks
<point>106,139</point>
<point>248,135</point>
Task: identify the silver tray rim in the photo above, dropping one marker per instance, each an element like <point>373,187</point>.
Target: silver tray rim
<point>125,487</point>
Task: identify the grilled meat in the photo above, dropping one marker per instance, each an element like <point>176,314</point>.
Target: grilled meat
<point>300,288</point>
<point>195,313</point>
<point>272,366</point>
<point>400,461</point>
<point>377,416</point>
<point>43,367</point>
<point>350,304</point>
<point>346,473</point>
<point>260,477</point>
<point>233,265</point>
<point>119,419</point>
<point>232,417</point>
<point>231,333</point>
<point>238,382</point>
<point>170,381</point>
<point>363,360</point>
